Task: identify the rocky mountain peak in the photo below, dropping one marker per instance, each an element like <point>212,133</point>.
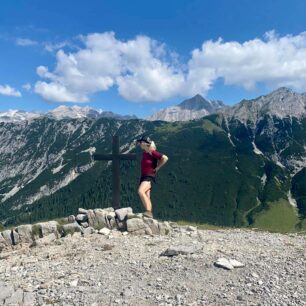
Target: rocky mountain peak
<point>282,102</point>
<point>74,111</point>
<point>193,108</point>
<point>196,103</point>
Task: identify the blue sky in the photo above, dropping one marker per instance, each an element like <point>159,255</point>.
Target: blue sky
<point>136,57</point>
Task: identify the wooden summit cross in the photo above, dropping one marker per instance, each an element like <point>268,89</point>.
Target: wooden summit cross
<point>115,157</point>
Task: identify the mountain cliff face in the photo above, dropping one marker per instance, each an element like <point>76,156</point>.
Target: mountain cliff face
<point>281,103</point>
<point>236,167</point>
<point>190,109</point>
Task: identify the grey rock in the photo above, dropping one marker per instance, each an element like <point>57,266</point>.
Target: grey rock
<point>48,228</point>
<point>104,231</point>
<point>164,228</point>
<point>235,263</point>
<point>153,225</point>
<point>81,218</point>
<point>46,240</point>
<point>109,209</point>
<point>111,215</point>
<point>96,218</point>
<point>7,235</point>
<point>25,232</point>
<point>191,228</point>
<point>84,224</point>
<point>122,226</point>
<point>132,215</point>
<point>108,225</point>
<point>181,249</point>
<point>71,218</point>
<point>135,224</point>
<point>72,228</point>
<point>140,232</point>
<point>83,211</point>
<point>88,231</point>
<point>224,263</point>
<point>113,224</point>
<point>121,213</point>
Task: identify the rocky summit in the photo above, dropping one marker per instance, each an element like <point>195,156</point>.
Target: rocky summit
<point>118,257</point>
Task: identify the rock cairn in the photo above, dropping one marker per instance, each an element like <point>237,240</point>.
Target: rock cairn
<point>104,221</point>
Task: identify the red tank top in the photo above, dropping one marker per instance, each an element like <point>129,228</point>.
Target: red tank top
<point>149,162</point>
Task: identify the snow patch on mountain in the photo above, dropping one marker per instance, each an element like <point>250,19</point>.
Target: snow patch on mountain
<point>255,149</point>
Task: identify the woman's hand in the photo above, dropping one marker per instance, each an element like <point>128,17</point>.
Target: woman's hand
<point>156,169</point>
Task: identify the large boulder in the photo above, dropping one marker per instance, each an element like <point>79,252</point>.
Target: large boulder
<point>71,228</point>
<point>81,218</point>
<point>164,228</point>
<point>97,218</point>
<point>25,233</point>
<point>153,225</point>
<point>135,224</point>
<point>7,235</point>
<point>43,229</point>
<point>83,211</point>
<point>121,213</point>
<point>48,228</point>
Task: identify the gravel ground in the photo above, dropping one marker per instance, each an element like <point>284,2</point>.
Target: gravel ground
<point>129,270</point>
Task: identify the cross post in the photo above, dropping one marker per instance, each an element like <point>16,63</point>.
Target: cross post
<point>115,157</point>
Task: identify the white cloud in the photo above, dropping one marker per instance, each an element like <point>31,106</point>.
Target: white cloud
<point>57,92</point>
<point>25,42</point>
<point>51,47</point>
<point>9,91</point>
<point>274,61</point>
<point>27,86</point>
<point>144,70</point>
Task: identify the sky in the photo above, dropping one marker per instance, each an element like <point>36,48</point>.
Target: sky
<point>138,57</point>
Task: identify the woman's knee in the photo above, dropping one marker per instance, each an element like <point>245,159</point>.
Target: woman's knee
<point>141,191</point>
<point>144,187</point>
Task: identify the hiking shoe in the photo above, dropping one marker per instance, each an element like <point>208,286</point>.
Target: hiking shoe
<point>148,214</point>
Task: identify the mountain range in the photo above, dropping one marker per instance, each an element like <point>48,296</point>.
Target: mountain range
<point>61,112</point>
<point>189,109</point>
<point>238,166</point>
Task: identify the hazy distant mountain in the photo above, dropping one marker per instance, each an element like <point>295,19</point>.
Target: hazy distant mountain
<point>61,112</point>
<point>13,115</point>
<point>75,111</point>
<point>189,109</point>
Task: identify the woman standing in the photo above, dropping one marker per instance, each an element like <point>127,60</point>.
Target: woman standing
<point>151,163</point>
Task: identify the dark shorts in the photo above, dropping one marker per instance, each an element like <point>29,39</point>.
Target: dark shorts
<point>147,178</point>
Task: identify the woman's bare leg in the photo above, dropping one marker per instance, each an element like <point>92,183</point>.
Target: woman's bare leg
<point>144,194</point>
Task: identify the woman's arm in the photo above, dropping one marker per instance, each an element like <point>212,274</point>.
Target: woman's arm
<point>161,162</point>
